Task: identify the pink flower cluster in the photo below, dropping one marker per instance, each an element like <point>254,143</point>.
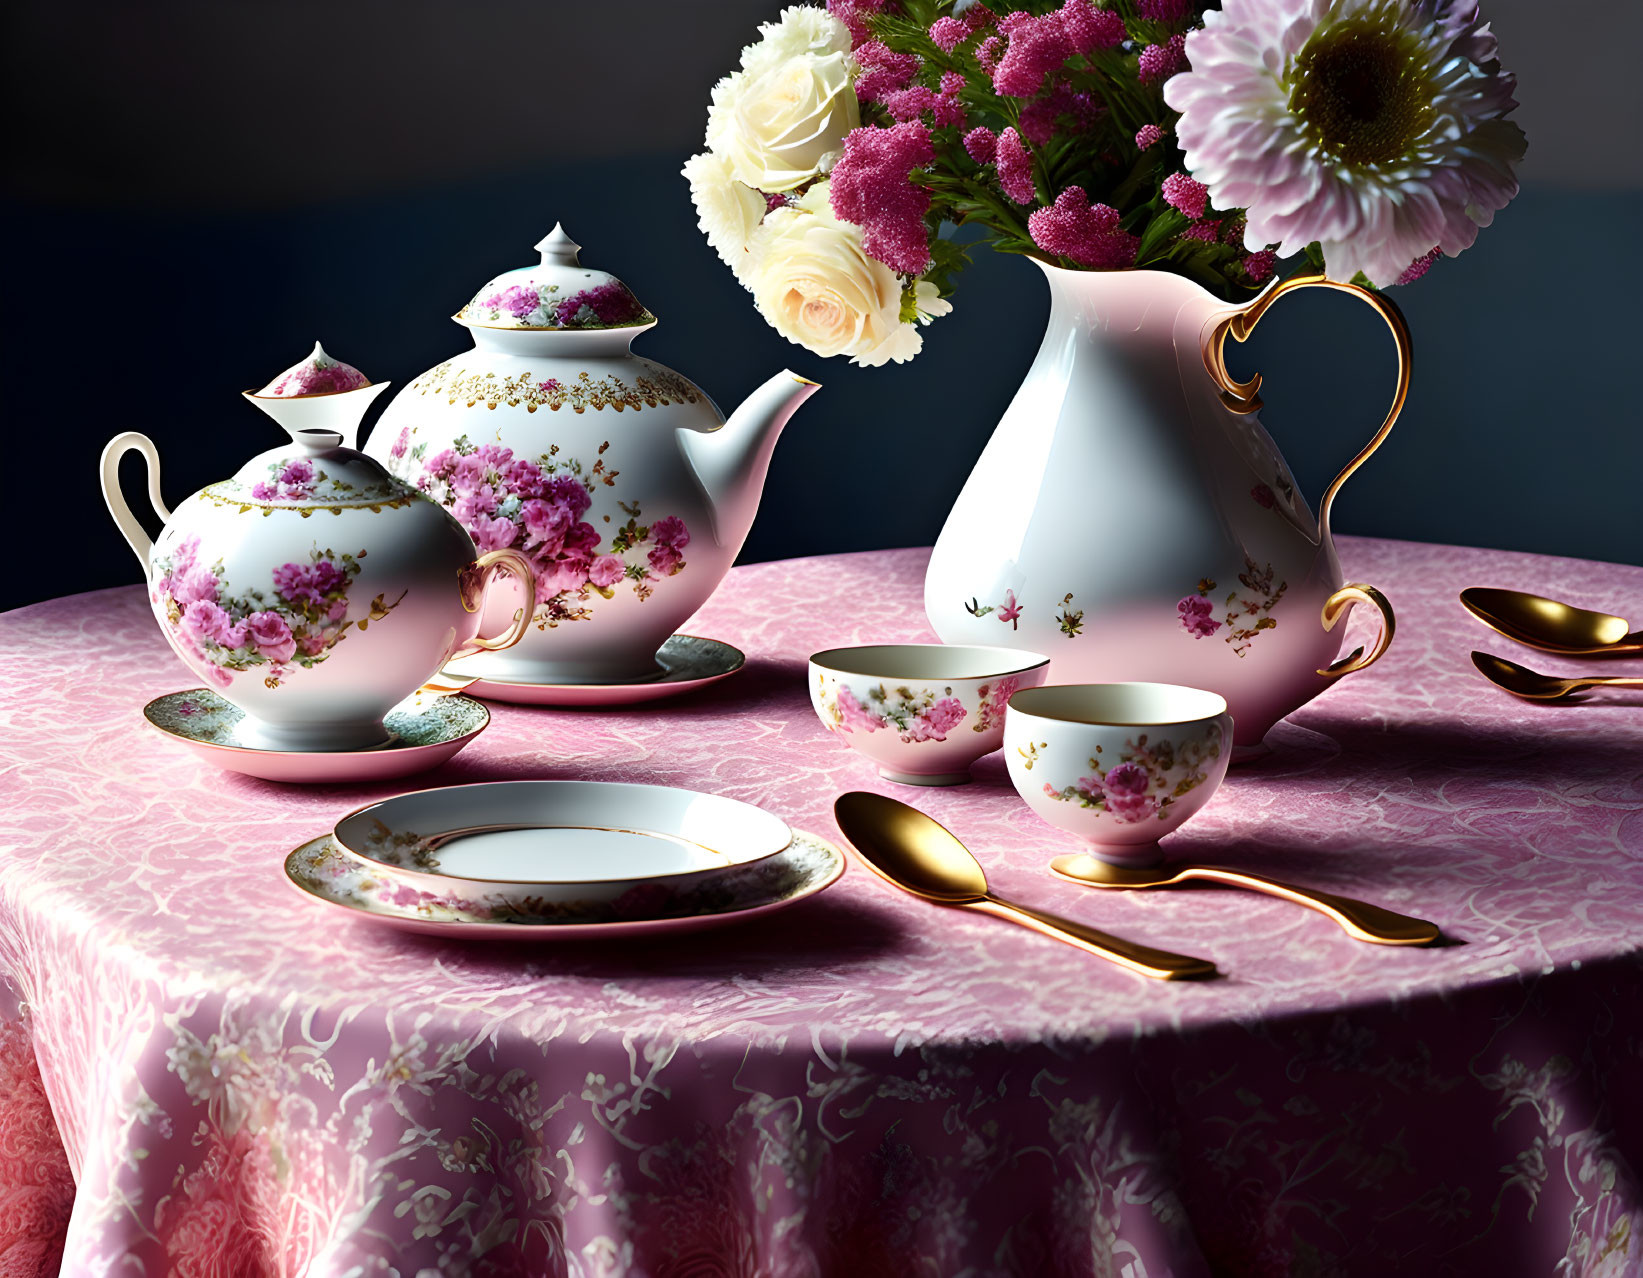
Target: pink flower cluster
<point>519,300</point>
<point>293,481</point>
<point>1196,618</point>
<point>854,15</point>
<point>982,144</point>
<point>401,443</point>
<point>871,186</point>
<point>1040,46</point>
<point>1015,168</point>
<point>603,306</point>
<point>1160,61</point>
<point>882,71</point>
<point>1186,194</point>
<point>1088,234</point>
<point>934,722</point>
<point>944,108</point>
<point>238,633</point>
<point>949,33</point>
<point>513,503</point>
<point>1125,787</point>
<point>1259,266</point>
<point>1040,116</point>
<point>1148,135</point>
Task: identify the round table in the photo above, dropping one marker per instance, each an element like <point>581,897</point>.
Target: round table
<point>246,1082</point>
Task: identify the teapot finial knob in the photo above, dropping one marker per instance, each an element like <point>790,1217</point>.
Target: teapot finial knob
<point>558,249</point>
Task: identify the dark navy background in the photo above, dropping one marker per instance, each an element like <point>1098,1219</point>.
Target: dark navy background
<point>136,299</point>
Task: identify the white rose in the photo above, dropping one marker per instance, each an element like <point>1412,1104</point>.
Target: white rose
<point>797,30</point>
<point>782,120</point>
<point>816,286</point>
<point>727,211</point>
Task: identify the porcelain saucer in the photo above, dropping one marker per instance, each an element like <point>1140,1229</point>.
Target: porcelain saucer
<point>319,869</point>
<point>686,663</point>
<point>425,733</point>
<point>530,845</point>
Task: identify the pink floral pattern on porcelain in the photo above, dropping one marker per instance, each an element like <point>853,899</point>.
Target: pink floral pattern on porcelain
<point>1247,613</point>
<point>1146,779</point>
<point>994,697</point>
<point>228,633</point>
<point>529,304</point>
<point>539,508</point>
<point>327,870</point>
<point>924,715</point>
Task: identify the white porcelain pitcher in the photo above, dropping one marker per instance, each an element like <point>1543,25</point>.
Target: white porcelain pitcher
<point>1132,519</point>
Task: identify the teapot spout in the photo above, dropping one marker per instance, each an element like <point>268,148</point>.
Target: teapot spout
<point>730,463</point>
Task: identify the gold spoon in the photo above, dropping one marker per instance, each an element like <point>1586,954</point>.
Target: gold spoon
<point>919,855</point>
<point>1533,686</point>
<point>1362,921</point>
<point>1549,625</point>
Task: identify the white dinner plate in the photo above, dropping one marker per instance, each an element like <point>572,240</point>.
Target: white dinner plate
<point>322,871</point>
<point>542,841</point>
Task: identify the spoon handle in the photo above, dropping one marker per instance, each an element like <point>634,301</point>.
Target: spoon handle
<point>1160,964</point>
<point>1361,920</point>
<point>1606,681</point>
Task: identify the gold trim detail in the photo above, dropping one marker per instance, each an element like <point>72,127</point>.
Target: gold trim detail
<point>1243,397</point>
<point>304,508</point>
<point>472,388</point>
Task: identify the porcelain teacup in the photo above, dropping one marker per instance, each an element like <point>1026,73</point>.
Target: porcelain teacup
<point>1120,765</point>
<point>923,712</point>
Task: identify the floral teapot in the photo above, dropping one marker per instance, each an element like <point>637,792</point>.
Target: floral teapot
<point>314,590</point>
<point>616,478</point>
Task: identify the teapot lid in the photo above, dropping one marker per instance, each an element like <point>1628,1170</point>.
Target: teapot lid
<point>557,294</point>
<point>312,472</point>
<point>319,374</point>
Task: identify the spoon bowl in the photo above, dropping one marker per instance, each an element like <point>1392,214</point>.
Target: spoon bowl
<point>919,855</point>
<point>915,852</point>
<point>1549,625</point>
<point>1531,685</point>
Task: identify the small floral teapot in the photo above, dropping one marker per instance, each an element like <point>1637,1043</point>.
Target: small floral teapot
<point>313,589</point>
<point>617,478</point>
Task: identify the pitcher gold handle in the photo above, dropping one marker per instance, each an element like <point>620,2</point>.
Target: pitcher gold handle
<point>1338,605</point>
<point>1242,397</point>
<point>474,585</point>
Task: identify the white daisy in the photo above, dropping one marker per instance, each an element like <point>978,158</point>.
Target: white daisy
<point>1376,127</point>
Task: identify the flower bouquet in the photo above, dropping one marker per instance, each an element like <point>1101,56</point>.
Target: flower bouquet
<point>1362,138</point>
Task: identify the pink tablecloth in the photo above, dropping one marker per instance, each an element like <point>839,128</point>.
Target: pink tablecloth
<point>245,1084</point>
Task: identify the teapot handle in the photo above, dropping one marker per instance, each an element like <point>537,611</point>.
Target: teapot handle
<point>474,586</point>
<point>118,447</point>
<point>1242,397</point>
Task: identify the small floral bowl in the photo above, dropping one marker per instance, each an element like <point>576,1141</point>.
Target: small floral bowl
<point>1118,764</point>
<point>924,712</point>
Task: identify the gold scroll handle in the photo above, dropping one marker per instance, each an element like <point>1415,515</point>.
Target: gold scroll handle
<point>1337,606</point>
<point>474,583</point>
<point>1242,397</point>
